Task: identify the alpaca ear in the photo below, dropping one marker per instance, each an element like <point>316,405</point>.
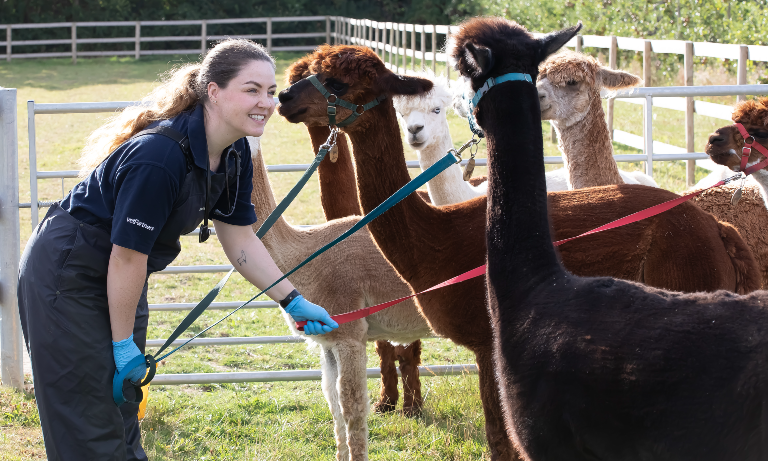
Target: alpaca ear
<point>393,84</point>
<point>479,58</point>
<point>556,40</point>
<point>616,79</point>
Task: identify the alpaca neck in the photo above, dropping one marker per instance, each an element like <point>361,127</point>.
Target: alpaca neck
<point>520,251</point>
<point>381,171</point>
<point>338,190</point>
<point>587,149</point>
<point>449,186</point>
<point>281,234</point>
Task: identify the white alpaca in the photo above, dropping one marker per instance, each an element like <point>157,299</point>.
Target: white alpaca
<point>556,180</point>
<point>426,131</point>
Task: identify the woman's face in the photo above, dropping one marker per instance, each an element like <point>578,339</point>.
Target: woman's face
<point>246,103</point>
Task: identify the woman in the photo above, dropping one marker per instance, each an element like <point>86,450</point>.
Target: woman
<point>83,275</point>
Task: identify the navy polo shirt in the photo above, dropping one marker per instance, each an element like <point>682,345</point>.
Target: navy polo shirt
<point>131,194</point>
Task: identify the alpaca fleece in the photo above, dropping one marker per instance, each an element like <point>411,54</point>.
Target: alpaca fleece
<point>595,368</point>
<point>428,244</point>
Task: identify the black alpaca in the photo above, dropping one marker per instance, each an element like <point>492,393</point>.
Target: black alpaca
<point>599,368</point>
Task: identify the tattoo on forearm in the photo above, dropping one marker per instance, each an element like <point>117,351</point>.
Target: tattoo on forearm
<point>241,259</point>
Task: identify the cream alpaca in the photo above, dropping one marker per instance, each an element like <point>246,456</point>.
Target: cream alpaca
<point>426,131</point>
<point>569,87</point>
<point>349,276</point>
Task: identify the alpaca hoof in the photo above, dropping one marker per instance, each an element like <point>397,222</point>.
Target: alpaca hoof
<point>412,412</point>
<point>383,407</point>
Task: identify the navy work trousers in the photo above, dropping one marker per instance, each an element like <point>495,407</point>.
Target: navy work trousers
<point>65,318</point>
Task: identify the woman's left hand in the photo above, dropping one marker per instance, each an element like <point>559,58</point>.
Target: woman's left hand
<point>318,320</point>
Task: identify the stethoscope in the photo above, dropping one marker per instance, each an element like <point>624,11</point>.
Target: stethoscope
<point>205,232</point>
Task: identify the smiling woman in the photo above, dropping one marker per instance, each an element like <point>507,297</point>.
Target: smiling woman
<point>151,174</point>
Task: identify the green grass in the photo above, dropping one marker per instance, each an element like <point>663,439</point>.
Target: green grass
<point>269,420</point>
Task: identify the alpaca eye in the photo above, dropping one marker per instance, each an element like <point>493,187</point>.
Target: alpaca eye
<point>335,85</point>
<point>436,110</point>
<point>571,82</point>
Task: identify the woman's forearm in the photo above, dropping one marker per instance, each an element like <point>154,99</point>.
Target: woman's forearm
<point>251,259</point>
<point>126,276</point>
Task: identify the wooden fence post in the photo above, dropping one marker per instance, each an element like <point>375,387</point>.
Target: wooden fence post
<point>8,43</point>
<point>741,76</point>
<point>405,47</point>
<point>74,43</point>
<point>690,167</point>
<point>423,47</point>
<point>391,40</point>
<point>447,64</point>
<point>413,47</point>
<point>579,43</point>
<point>203,37</point>
<point>269,35</point>
<point>647,120</point>
<point>612,63</point>
<point>328,30</point>
<point>396,32</point>
<point>137,51</point>
<point>434,49</point>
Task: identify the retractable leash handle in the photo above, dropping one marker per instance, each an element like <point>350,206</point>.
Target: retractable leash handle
<point>121,383</point>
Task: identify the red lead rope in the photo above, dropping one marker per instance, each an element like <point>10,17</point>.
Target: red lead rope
<point>634,217</point>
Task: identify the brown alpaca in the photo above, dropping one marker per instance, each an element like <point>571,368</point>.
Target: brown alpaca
<point>429,244</point>
<point>338,195</point>
<point>724,147</point>
<point>360,277</point>
<point>569,87</point>
<point>599,368</point>
<point>569,94</point>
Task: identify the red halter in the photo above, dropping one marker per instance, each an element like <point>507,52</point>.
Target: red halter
<point>749,144</point>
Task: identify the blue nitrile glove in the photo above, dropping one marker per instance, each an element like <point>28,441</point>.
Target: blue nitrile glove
<point>301,309</point>
<point>124,351</point>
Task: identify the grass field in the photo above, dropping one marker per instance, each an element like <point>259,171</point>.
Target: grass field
<point>254,421</point>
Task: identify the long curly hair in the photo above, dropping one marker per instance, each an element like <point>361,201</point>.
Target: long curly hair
<point>181,89</point>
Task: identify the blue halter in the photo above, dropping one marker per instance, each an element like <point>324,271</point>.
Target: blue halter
<point>490,83</point>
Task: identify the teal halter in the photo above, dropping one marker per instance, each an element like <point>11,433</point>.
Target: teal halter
<point>333,101</point>
<point>490,83</point>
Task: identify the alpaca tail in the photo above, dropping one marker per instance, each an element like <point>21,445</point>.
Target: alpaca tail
<point>748,274</point>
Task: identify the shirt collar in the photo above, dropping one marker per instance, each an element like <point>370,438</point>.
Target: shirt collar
<point>197,140</point>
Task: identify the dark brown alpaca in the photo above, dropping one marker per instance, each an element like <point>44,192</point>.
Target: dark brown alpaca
<point>599,368</point>
<point>338,195</point>
<point>428,244</point>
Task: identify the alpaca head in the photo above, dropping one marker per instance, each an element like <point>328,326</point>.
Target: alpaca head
<point>424,114</point>
<point>490,47</point>
<point>570,82</point>
<point>353,73</point>
<point>724,146</point>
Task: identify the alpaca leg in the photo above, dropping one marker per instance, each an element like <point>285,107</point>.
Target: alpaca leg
<point>500,444</point>
<point>353,395</point>
<point>330,368</point>
<point>388,395</point>
<point>410,359</point>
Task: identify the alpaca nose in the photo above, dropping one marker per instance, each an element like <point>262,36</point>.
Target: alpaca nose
<point>715,139</point>
<point>284,96</point>
<point>413,129</point>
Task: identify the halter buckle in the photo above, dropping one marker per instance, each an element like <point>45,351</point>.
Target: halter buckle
<point>746,151</point>
<point>331,110</point>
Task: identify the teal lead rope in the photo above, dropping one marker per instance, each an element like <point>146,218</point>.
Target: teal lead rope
<point>450,158</point>
<point>263,229</point>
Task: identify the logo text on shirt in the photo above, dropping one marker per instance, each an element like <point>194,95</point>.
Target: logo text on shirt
<point>140,224</point>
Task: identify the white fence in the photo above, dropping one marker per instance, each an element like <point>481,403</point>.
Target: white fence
<point>391,41</point>
<point>137,39</point>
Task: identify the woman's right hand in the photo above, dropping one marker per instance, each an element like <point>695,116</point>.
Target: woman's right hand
<point>318,320</point>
